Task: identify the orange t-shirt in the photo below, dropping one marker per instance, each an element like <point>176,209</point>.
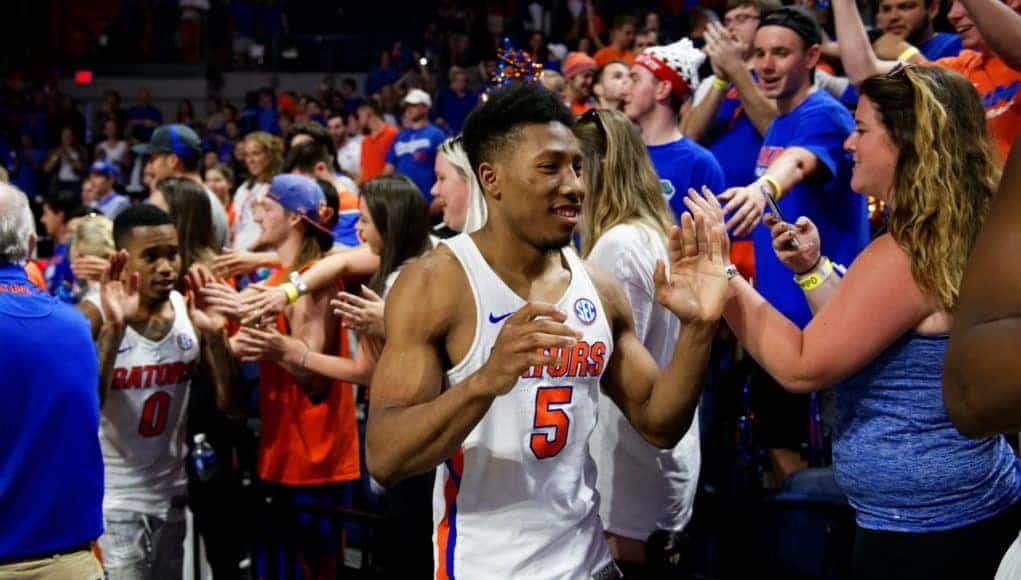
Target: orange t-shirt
<point>998,85</point>
<point>374,150</point>
<point>579,109</point>
<point>305,442</point>
<point>608,54</point>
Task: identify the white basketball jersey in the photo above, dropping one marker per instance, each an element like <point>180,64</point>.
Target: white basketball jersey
<point>142,428</point>
<point>518,499</point>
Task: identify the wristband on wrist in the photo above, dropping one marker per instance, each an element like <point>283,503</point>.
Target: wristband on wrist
<point>720,84</point>
<point>908,54</point>
<point>731,271</point>
<point>816,276</point>
<point>299,283</point>
<point>304,355</point>
<point>291,291</point>
<point>777,190</point>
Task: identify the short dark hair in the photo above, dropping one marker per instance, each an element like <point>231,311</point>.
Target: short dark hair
<point>373,103</point>
<point>624,19</point>
<point>304,157</point>
<point>190,162</point>
<point>491,127</point>
<point>65,202</point>
<point>319,135</point>
<point>796,20</point>
<point>137,216</point>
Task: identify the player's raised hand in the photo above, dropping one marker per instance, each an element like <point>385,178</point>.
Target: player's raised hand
<point>520,345</point>
<point>697,289</point>
<point>118,292</point>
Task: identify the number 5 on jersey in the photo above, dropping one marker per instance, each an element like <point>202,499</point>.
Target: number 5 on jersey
<point>554,421</point>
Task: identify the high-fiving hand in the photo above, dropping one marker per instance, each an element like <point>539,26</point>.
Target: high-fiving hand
<point>697,288</point>
<point>119,297</point>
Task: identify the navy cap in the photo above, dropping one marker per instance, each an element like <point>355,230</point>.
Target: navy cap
<point>104,168</point>
<point>181,140</point>
<point>303,196</point>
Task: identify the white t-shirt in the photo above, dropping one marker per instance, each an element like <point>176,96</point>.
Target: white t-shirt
<point>349,157</point>
<point>246,231</point>
<point>114,152</point>
<point>642,488</point>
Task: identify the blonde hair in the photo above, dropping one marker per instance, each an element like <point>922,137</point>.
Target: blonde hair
<point>93,236</point>
<point>622,185</point>
<point>274,148</point>
<point>476,210</point>
<point>946,172</point>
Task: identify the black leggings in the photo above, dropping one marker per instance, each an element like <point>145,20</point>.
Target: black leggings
<point>973,551</point>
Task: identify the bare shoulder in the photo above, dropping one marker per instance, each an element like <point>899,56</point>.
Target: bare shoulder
<point>428,293</point>
<point>884,252</point>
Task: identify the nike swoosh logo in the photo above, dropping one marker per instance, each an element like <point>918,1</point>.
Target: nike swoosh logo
<point>123,350</point>
<point>495,319</point>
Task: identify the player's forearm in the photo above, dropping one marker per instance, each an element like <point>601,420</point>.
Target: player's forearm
<point>669,411</point>
<point>407,440</point>
<point>760,110</point>
<point>979,400</point>
<point>696,123</point>
<point>856,53</point>
<point>109,340</point>
<point>1000,27</point>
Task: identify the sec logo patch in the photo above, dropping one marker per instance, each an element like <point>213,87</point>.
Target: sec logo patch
<point>585,310</point>
<point>184,342</point>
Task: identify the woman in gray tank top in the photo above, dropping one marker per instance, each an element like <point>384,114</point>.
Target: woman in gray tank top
<point>929,502</point>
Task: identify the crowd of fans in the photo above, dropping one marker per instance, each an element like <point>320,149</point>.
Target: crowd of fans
<point>267,235</point>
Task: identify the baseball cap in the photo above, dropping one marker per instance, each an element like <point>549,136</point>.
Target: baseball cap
<point>676,63</point>
<point>577,63</point>
<point>303,196</point>
<point>181,140</point>
<point>104,168</point>
<point>418,97</point>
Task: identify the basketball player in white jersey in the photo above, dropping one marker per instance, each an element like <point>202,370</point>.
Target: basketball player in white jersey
<point>150,345</point>
<point>497,344</point>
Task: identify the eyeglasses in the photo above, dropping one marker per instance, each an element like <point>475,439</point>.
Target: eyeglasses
<point>739,18</point>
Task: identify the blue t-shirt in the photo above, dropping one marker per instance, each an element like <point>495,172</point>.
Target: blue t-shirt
<point>683,164</point>
<point>51,468</point>
<point>413,154</point>
<point>941,44</point>
<point>59,277</point>
<point>820,124</point>
<point>734,142</point>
